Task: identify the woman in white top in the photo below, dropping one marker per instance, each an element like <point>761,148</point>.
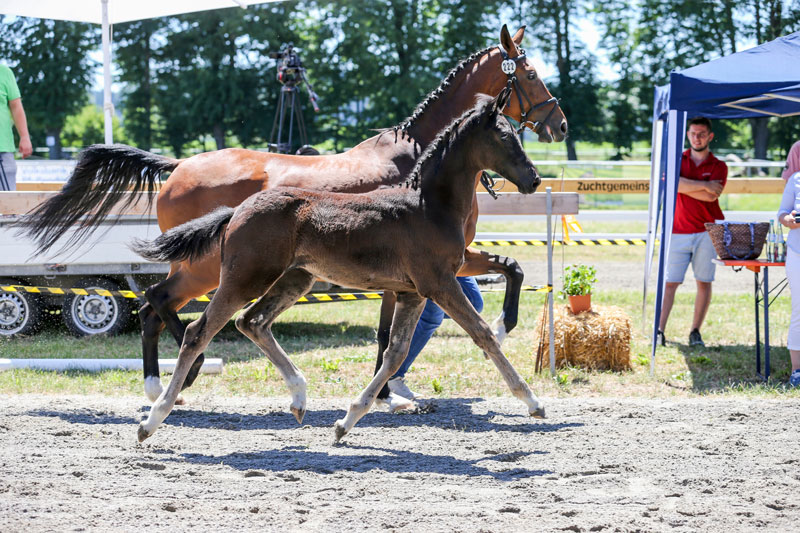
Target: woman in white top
<point>790,206</point>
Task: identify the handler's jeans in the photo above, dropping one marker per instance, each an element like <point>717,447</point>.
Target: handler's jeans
<point>8,172</point>
<point>431,319</point>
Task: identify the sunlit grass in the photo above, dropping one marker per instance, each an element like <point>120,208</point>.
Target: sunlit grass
<point>333,344</point>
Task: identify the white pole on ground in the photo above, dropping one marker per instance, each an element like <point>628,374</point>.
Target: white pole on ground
<point>108,107</point>
<point>550,295</point>
<point>210,366</point>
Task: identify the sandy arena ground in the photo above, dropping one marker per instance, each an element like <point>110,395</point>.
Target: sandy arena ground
<point>226,464</point>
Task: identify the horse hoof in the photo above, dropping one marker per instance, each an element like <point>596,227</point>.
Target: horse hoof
<point>339,431</point>
<point>298,413</point>
<point>179,400</point>
<point>538,413</point>
<point>142,433</point>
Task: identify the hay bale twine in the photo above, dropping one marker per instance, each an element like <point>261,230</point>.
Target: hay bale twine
<point>599,339</point>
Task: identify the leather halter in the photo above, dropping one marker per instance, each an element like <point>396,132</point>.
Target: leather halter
<point>509,67</point>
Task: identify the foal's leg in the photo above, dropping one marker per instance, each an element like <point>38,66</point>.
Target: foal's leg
<point>385,396</point>
<point>406,314</point>
<point>448,296</point>
<point>198,335</point>
<point>476,263</point>
<point>256,323</point>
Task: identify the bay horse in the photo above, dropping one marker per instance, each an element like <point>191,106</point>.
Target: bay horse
<point>408,239</point>
<point>200,184</point>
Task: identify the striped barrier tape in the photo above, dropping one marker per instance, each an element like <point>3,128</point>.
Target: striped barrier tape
<point>311,298</point>
<point>572,242</point>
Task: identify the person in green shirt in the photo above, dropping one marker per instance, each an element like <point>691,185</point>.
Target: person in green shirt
<point>11,112</point>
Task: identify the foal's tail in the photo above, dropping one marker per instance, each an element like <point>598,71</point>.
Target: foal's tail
<point>191,240</point>
<point>101,179</point>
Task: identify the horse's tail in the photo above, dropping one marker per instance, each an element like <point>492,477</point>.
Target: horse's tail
<point>190,240</point>
<point>102,178</point>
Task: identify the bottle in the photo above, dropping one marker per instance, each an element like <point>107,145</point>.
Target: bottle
<point>781,256</point>
<point>771,242</point>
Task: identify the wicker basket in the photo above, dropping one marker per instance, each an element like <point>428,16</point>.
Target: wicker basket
<point>738,240</point>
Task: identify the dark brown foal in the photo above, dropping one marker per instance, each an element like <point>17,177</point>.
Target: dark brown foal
<point>201,183</point>
<point>406,239</point>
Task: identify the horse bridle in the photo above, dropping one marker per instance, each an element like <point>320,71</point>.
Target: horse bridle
<point>509,67</point>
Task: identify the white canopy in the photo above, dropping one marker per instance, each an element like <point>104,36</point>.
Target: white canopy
<point>108,12</point>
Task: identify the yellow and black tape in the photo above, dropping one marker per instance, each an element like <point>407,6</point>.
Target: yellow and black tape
<point>311,298</point>
<point>571,242</point>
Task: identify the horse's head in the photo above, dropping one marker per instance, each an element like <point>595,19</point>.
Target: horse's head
<point>500,149</point>
<point>531,104</point>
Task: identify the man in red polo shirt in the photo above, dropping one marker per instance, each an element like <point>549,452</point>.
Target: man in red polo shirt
<point>702,178</point>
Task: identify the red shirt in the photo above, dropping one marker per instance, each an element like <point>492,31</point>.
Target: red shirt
<point>690,213</point>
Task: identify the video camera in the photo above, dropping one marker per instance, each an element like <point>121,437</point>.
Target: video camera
<point>290,68</point>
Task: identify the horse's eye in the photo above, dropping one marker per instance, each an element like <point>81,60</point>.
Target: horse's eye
<point>531,75</point>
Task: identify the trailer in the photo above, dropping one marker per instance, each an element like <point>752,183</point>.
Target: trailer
<point>86,285</point>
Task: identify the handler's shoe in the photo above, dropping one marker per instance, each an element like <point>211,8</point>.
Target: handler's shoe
<point>794,379</point>
<point>695,339</point>
<point>660,338</point>
<point>399,387</point>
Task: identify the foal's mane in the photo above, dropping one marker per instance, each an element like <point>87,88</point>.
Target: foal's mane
<point>439,91</point>
<point>445,140</point>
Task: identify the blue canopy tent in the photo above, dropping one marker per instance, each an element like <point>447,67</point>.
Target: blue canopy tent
<point>761,81</point>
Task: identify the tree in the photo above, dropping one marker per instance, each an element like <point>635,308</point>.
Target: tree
<point>577,85</point>
<point>51,62</point>
<point>134,55</point>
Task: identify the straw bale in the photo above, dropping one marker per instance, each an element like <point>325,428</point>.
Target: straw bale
<point>599,339</point>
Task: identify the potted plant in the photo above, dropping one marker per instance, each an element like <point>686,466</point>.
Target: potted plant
<point>578,283</point>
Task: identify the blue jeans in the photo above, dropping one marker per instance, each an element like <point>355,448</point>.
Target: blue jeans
<point>431,319</point>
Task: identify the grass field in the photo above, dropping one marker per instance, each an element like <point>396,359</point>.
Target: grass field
<point>333,344</point>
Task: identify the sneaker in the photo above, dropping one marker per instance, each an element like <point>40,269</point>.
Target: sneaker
<point>660,338</point>
<point>399,387</point>
<point>695,339</point>
<point>794,379</point>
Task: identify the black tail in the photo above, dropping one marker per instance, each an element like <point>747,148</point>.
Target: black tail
<point>101,179</point>
<point>191,240</point>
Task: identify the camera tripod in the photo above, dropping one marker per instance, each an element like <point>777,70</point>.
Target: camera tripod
<point>288,104</point>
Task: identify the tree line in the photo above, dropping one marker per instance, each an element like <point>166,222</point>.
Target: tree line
<point>208,75</point>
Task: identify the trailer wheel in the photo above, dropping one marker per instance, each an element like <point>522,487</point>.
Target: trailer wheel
<point>95,314</point>
<point>21,313</point>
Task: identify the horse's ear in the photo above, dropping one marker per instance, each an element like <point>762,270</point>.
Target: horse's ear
<point>508,43</point>
<point>501,100</point>
<point>517,38</point>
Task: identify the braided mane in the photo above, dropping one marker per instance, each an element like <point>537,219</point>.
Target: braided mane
<point>444,141</point>
<point>439,91</point>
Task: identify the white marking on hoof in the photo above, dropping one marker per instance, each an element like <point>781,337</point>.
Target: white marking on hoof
<point>153,388</point>
<point>395,403</point>
<point>297,388</point>
<point>499,328</point>
<point>537,413</point>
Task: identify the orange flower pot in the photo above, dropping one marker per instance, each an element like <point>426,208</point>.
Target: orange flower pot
<point>581,303</point>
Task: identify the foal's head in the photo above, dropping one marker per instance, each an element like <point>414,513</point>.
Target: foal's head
<point>499,148</point>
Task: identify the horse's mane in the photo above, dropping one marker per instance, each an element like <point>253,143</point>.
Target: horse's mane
<point>439,91</point>
<point>431,158</point>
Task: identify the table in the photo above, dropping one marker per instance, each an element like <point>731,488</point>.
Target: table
<point>761,295</point>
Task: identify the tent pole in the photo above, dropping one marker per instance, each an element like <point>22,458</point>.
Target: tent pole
<point>652,208</point>
<point>108,107</point>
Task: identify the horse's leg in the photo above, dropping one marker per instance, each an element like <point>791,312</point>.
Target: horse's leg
<point>385,396</point>
<point>406,314</point>
<point>449,296</point>
<point>476,263</point>
<point>152,326</point>
<point>198,334</point>
<point>166,298</point>
<point>256,323</point>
